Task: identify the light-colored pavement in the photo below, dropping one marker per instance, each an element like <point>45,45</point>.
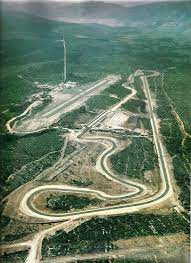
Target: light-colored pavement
<point>163,194</point>
<point>151,201</point>
<point>50,115</point>
<point>133,188</point>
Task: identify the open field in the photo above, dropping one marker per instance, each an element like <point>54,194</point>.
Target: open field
<point>106,231</point>
<point>143,159</point>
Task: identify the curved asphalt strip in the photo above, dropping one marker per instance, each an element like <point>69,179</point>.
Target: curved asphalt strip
<point>104,156</point>
<point>141,204</point>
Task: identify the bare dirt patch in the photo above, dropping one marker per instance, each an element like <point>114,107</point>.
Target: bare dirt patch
<point>154,241</point>
<point>118,119</point>
<point>83,170</point>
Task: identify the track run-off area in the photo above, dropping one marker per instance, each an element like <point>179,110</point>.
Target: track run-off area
<point>137,196</point>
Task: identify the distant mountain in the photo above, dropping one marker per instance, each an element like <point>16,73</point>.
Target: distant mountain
<point>22,25</point>
<point>145,13</point>
<point>85,12</point>
<point>167,17</point>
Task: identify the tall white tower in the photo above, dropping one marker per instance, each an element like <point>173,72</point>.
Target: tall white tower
<point>64,45</point>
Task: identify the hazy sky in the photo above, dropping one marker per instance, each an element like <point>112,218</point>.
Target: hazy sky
<point>115,1</point>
